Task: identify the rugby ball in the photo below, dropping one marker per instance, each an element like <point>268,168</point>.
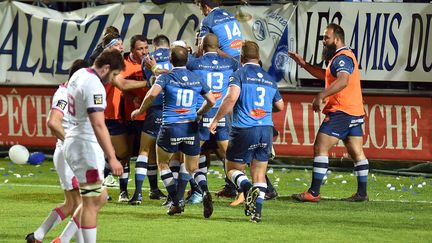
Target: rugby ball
<point>18,154</point>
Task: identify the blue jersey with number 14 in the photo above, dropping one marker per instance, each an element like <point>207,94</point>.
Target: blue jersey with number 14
<point>216,70</point>
<point>226,27</point>
<point>258,93</point>
<point>181,89</point>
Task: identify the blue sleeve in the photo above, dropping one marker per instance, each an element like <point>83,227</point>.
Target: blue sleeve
<point>205,88</point>
<point>161,81</point>
<point>234,80</point>
<point>205,27</point>
<point>342,63</point>
<point>235,64</point>
<point>277,97</point>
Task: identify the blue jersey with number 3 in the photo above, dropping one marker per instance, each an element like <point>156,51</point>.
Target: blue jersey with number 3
<point>216,71</point>
<point>226,27</point>
<point>258,93</point>
<point>181,89</point>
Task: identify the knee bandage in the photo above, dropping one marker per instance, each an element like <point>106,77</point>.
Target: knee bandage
<point>92,190</point>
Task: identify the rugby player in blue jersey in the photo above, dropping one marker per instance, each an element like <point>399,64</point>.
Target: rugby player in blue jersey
<point>179,129</point>
<point>216,70</point>
<point>252,95</point>
<point>223,24</point>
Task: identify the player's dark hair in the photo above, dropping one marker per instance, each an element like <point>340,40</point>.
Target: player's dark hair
<point>76,65</point>
<point>337,31</point>
<point>161,41</point>
<point>178,56</point>
<point>108,38</point>
<point>136,38</point>
<point>209,3</point>
<point>111,57</point>
<point>111,30</point>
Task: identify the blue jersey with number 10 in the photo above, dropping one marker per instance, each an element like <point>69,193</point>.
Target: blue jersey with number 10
<point>181,89</point>
<point>226,27</point>
<point>258,93</point>
<point>161,56</point>
<point>216,70</point>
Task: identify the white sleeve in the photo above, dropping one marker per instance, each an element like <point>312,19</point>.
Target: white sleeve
<point>59,101</point>
<point>95,96</point>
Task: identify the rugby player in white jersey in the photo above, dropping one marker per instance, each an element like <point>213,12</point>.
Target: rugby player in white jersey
<point>88,139</point>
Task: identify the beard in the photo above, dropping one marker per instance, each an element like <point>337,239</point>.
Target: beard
<point>328,52</point>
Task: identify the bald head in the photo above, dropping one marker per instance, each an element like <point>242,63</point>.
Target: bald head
<point>178,56</point>
<point>249,52</point>
<point>210,43</point>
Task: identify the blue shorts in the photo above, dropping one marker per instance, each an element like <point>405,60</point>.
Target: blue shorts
<point>134,127</point>
<point>115,127</point>
<point>153,121</point>
<point>247,144</point>
<point>341,125</point>
<point>179,136</point>
<point>222,130</point>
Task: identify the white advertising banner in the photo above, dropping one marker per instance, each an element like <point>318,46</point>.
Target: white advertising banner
<point>37,45</point>
<point>392,41</point>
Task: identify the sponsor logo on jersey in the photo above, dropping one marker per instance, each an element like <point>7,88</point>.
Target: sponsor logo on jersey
<point>236,44</point>
<point>258,113</point>
<point>97,99</point>
<point>181,110</point>
<point>61,104</point>
<point>217,95</point>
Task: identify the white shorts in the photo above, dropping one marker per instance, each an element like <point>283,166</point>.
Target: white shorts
<point>86,159</point>
<point>68,180</point>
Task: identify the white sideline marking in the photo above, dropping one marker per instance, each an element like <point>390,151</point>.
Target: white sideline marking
<point>147,189</point>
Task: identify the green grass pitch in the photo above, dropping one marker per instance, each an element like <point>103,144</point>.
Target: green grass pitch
<point>28,193</point>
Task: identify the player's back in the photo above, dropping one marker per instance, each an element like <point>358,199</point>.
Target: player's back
<point>258,93</point>
<point>215,70</point>
<point>181,88</point>
<point>227,28</point>
<point>86,93</point>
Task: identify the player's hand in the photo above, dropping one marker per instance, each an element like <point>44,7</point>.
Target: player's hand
<point>198,118</point>
<point>135,113</point>
<point>212,127</point>
<point>149,62</point>
<point>116,167</point>
<point>297,58</point>
<point>318,103</point>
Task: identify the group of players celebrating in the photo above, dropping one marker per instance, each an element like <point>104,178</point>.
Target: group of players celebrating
<point>171,101</point>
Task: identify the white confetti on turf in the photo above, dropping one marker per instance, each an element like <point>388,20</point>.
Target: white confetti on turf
<point>338,177</point>
<point>389,185</point>
<point>278,179</point>
<point>424,183</point>
<point>6,181</point>
<point>344,182</point>
<point>17,175</point>
<point>419,185</point>
<point>270,171</point>
<point>1,168</point>
<point>392,188</point>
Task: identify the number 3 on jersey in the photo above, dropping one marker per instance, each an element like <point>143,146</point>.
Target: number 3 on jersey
<point>234,31</point>
<point>184,97</point>
<point>261,94</point>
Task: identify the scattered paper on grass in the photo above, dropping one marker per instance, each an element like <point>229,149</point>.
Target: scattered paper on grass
<point>270,171</point>
<point>6,181</point>
<point>17,175</point>
<point>338,177</point>
<point>392,188</point>
<point>389,185</point>
<point>278,179</point>
<point>419,185</point>
<point>344,182</point>
<point>1,168</point>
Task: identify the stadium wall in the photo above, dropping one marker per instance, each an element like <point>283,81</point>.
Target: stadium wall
<point>396,128</point>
